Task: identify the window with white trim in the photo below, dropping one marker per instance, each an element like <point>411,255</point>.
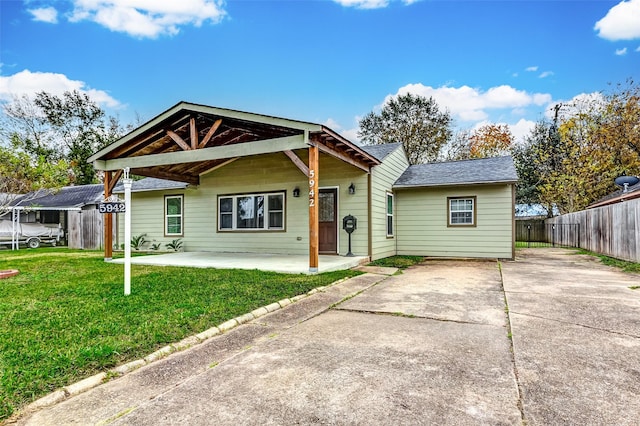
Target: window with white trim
<point>173,215</point>
<point>251,212</point>
<point>462,211</point>
<point>389,214</point>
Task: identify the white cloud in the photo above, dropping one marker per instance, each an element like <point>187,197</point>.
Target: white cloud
<point>621,52</point>
<point>148,18</point>
<point>471,104</point>
<point>45,14</point>
<point>363,4</point>
<point>29,83</point>
<point>351,135</point>
<point>545,74</point>
<point>521,129</point>
<point>332,124</point>
<point>531,69</point>
<point>622,22</point>
<point>638,49</point>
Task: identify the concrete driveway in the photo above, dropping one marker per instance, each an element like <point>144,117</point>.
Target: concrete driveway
<point>428,346</point>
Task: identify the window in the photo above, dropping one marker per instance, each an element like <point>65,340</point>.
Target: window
<point>389,214</point>
<point>251,212</point>
<point>173,215</point>
<point>462,211</point>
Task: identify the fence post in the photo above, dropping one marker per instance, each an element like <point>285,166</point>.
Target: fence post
<point>553,235</point>
<point>528,236</point>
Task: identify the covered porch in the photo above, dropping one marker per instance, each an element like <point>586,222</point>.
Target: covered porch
<point>284,170</point>
<point>283,263</point>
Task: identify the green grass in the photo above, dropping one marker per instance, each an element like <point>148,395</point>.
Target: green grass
<point>611,261</point>
<point>398,261</point>
<point>64,317</point>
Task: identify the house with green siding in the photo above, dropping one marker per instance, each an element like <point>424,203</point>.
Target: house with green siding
<point>229,181</point>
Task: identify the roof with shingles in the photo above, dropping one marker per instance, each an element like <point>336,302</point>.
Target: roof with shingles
<point>618,196</point>
<point>66,197</point>
<point>477,171</point>
<point>381,151</point>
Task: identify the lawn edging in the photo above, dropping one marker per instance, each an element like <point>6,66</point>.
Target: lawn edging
<point>91,382</point>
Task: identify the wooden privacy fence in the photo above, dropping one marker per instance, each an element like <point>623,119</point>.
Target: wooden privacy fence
<point>612,230</point>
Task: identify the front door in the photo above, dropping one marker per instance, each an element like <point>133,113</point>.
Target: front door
<point>328,221</point>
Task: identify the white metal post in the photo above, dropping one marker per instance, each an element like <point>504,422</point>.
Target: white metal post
<point>126,181</point>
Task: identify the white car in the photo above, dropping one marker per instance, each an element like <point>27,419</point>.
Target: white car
<point>31,234</point>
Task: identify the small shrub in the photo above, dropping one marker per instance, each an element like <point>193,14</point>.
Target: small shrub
<point>155,246</point>
<point>138,241</point>
<point>174,245</point>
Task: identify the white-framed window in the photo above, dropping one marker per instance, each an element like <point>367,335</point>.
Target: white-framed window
<point>389,214</point>
<point>173,215</point>
<point>251,212</point>
<point>461,211</point>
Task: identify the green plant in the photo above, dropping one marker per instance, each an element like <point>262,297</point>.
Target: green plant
<point>155,246</point>
<point>138,241</point>
<point>174,245</point>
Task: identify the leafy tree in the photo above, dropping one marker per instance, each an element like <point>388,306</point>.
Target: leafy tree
<point>490,140</point>
<point>415,121</point>
<point>458,148</point>
<point>20,174</point>
<point>69,127</point>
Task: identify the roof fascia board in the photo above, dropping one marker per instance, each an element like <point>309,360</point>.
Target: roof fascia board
<point>205,154</point>
<point>454,184</point>
<point>351,145</point>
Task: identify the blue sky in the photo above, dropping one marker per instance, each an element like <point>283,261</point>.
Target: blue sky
<point>323,61</point>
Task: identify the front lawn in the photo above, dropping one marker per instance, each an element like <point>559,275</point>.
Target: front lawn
<point>64,317</point>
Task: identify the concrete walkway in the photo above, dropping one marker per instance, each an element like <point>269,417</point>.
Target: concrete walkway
<point>428,346</point>
<point>285,263</point>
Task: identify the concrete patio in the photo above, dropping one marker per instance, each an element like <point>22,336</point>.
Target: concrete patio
<point>288,264</point>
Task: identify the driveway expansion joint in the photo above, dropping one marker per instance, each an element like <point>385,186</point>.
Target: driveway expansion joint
<point>620,333</point>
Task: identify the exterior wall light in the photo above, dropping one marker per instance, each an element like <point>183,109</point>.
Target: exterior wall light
<point>296,192</point>
<point>352,189</point>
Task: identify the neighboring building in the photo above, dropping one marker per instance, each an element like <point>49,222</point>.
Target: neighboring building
<point>73,207</point>
<point>252,183</point>
<point>618,196</point>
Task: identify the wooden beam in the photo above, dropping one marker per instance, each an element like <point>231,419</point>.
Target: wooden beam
<point>217,166</point>
<point>114,180</point>
<point>163,174</point>
<point>107,220</point>
<point>194,133</point>
<point>210,133</point>
<point>206,154</point>
<point>298,162</point>
<point>314,239</point>
<point>344,157</point>
<point>177,139</point>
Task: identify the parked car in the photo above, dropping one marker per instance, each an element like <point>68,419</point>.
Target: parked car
<point>31,234</point>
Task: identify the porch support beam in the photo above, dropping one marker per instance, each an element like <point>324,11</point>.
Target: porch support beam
<point>108,217</point>
<point>167,175</point>
<point>206,154</point>
<point>114,180</point>
<point>298,162</point>
<point>193,134</point>
<point>210,133</point>
<point>313,208</point>
<point>347,159</point>
<point>177,139</point>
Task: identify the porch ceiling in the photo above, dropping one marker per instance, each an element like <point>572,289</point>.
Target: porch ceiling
<point>188,140</point>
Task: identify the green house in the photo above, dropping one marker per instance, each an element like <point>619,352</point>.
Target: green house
<point>231,181</point>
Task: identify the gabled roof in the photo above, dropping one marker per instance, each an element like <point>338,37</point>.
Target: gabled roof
<point>68,197</point>
<point>383,150</point>
<point>151,184</point>
<point>465,172</point>
<point>618,196</point>
<point>189,140</point>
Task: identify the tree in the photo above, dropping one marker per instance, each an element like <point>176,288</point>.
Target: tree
<point>20,174</point>
<point>69,127</point>
<point>415,121</point>
<point>490,140</point>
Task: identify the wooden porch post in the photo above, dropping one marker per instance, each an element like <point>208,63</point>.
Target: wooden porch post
<point>108,219</point>
<point>313,208</point>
